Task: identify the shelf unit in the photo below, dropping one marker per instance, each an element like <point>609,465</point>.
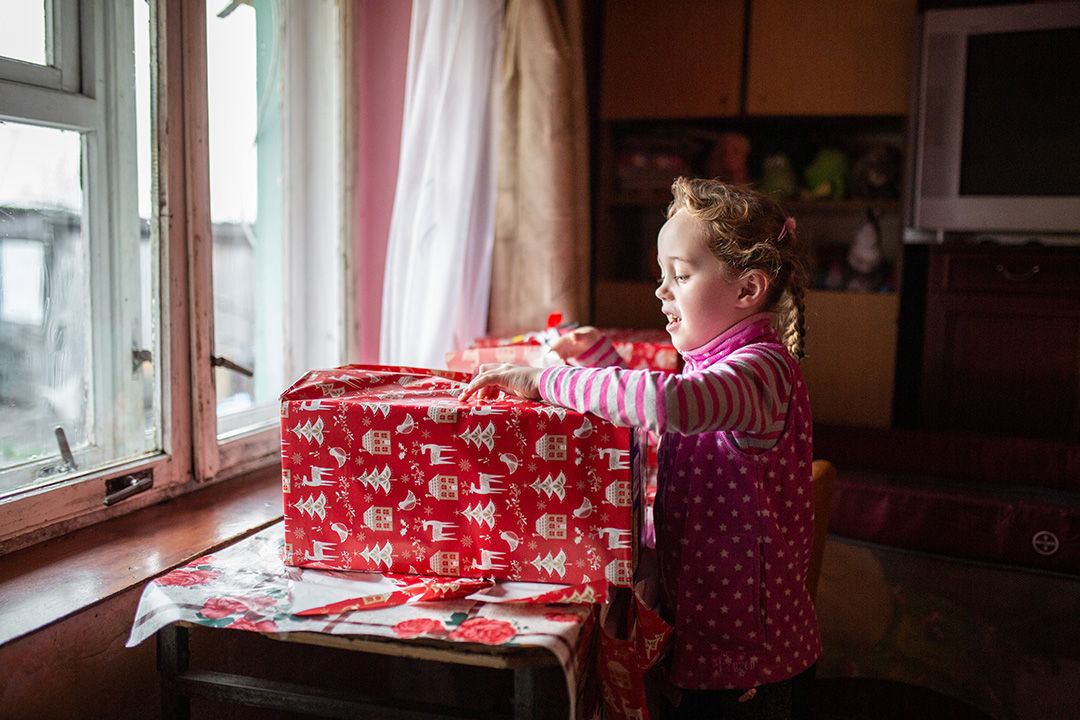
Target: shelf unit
<point>852,336</point>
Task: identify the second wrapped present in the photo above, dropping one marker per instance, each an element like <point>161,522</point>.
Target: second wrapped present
<point>385,469</point>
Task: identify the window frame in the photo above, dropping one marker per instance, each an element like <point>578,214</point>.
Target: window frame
<point>63,69</point>
<point>191,455</point>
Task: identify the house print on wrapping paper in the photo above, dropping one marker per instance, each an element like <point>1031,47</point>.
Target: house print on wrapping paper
<point>402,477</point>
<point>551,447</point>
<point>552,527</point>
<point>443,487</point>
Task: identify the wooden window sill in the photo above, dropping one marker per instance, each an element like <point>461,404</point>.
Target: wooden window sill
<point>44,583</point>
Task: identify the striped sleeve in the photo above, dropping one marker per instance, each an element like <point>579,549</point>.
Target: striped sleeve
<point>747,392</point>
<point>601,354</point>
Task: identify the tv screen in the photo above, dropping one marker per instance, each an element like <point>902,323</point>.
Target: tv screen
<point>1022,114</point>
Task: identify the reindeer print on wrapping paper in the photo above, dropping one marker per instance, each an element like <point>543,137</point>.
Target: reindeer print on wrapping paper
<point>437,453</point>
<point>617,538</point>
<point>438,529</point>
<point>487,558</point>
<point>488,485</point>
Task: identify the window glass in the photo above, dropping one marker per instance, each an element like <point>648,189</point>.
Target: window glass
<point>45,380</point>
<point>149,266</point>
<point>22,31</point>
<point>244,108</point>
<point>79,380</point>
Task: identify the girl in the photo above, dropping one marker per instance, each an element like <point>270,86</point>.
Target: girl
<point>734,505</point>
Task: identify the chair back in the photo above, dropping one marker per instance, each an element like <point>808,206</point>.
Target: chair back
<point>824,475</point>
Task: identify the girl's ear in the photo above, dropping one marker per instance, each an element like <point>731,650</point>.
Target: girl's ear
<point>753,289</point>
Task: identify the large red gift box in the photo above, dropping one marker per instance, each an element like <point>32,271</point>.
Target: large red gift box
<point>384,469</point>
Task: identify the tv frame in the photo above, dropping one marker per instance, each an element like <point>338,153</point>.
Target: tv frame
<point>938,117</point>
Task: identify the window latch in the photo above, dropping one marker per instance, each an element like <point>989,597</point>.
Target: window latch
<point>65,451</point>
<point>218,361</point>
<point>121,488</point>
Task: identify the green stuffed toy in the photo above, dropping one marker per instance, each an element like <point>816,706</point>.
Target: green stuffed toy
<point>826,176</point>
<point>777,177</point>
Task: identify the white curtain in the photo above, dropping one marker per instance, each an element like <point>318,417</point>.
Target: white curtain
<point>438,263</point>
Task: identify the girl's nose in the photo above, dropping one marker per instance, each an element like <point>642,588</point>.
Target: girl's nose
<point>661,290</point>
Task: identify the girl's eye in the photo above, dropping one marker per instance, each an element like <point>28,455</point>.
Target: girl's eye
<point>681,278</point>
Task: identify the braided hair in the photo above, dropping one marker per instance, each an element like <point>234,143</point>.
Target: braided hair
<point>748,230</point>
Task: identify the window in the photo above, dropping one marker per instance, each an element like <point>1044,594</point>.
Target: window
<point>144,272</point>
<point>73,399</point>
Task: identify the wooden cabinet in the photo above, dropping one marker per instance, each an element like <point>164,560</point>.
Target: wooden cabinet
<point>829,57</point>
<point>1002,347</point>
<point>664,60</point>
<point>685,59</point>
<point>850,361</point>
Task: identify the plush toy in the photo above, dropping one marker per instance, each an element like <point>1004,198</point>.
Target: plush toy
<point>875,174</point>
<point>777,177</point>
<point>865,268</point>
<point>728,159</point>
<point>826,176</point>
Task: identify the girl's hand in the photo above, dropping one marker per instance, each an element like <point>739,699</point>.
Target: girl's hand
<point>518,380</point>
<point>573,344</point>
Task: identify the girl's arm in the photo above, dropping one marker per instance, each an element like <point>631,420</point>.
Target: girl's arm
<point>747,392</point>
<point>587,347</point>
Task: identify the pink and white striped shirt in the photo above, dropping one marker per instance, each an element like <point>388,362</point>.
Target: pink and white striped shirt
<point>734,505</point>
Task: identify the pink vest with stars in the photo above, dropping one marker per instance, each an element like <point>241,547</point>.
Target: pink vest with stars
<point>734,526</point>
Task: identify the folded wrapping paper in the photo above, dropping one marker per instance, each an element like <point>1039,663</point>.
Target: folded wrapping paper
<point>385,470</point>
<point>324,592</point>
<point>328,592</point>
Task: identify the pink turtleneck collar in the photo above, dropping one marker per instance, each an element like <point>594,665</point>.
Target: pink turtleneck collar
<point>755,328</point>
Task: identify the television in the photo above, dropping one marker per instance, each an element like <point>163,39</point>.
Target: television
<point>996,122</point>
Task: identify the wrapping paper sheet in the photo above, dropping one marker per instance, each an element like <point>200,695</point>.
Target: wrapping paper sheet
<point>247,586</point>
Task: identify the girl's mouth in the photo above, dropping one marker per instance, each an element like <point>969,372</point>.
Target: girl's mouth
<point>673,321</point>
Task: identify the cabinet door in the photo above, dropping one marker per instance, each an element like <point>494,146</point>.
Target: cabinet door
<point>1002,348</point>
<point>671,59</point>
<point>829,57</point>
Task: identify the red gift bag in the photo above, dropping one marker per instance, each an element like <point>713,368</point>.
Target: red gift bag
<point>633,640</point>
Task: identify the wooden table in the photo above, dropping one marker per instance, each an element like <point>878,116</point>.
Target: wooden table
<point>539,686</point>
<point>543,649</point>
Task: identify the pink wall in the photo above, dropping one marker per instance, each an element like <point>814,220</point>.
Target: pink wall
<point>381,29</point>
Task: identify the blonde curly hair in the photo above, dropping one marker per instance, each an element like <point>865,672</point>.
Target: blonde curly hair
<point>748,230</point>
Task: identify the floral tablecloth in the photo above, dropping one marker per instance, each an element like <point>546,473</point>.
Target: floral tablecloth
<point>246,586</point>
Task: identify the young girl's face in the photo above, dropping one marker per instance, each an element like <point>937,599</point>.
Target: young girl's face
<point>697,292</point>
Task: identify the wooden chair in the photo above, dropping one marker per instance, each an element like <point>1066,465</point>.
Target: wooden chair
<point>824,474</point>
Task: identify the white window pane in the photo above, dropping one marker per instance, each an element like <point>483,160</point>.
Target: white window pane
<point>44,319</point>
<point>245,197</point>
<point>22,30</point>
